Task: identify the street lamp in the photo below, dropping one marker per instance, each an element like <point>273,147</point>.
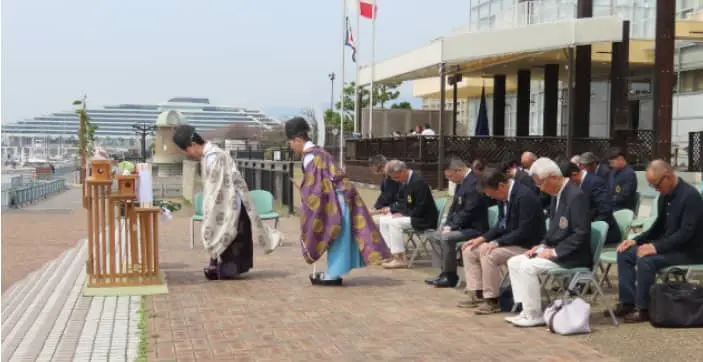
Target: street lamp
<point>331,76</point>
<point>143,130</point>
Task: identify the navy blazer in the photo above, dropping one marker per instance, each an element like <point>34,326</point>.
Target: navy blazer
<point>622,186</point>
<point>389,193</point>
<point>603,171</point>
<point>570,229</point>
<point>679,224</point>
<point>415,200</point>
<point>600,205</point>
<point>469,211</point>
<point>524,224</point>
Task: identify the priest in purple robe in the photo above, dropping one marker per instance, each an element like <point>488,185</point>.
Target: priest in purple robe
<point>333,217</point>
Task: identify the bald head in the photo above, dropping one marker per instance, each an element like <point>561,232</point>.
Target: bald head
<point>659,168</point>
<point>527,159</point>
<point>661,176</point>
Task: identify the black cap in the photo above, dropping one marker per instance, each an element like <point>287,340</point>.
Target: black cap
<point>183,136</point>
<point>297,127</point>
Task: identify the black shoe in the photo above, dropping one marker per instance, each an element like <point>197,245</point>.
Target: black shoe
<point>318,279</point>
<point>433,281</point>
<point>621,310</point>
<point>447,281</point>
<point>210,273</point>
<point>637,316</point>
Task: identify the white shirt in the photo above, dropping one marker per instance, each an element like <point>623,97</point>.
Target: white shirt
<point>428,132</point>
<point>209,156</point>
<point>507,201</point>
<point>309,156</point>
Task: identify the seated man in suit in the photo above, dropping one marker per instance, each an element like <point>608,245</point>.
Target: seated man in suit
<point>622,182</point>
<point>415,209</point>
<point>520,227</point>
<point>389,188</point>
<point>675,238</point>
<point>599,203</point>
<point>592,165</point>
<point>522,176</point>
<point>467,218</point>
<point>566,243</point>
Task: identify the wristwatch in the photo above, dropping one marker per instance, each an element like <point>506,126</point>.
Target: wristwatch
<point>494,243</point>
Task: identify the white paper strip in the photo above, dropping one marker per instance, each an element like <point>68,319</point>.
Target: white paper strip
<point>145,192</point>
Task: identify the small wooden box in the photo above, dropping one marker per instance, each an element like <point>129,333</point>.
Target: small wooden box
<point>126,185</point>
<point>101,170</point>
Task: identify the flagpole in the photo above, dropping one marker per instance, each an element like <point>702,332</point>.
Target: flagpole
<point>356,67</point>
<point>373,66</point>
<point>341,75</point>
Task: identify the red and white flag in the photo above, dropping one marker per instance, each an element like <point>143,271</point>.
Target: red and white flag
<point>368,9</point>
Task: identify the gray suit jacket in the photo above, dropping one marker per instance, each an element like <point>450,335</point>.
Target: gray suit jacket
<point>570,229</point>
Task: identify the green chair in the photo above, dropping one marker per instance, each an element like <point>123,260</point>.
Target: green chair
<point>576,276</point>
<point>197,216</point>
<point>493,215</point>
<point>623,218</point>
<point>654,210</point>
<point>421,236</point>
<point>263,203</point>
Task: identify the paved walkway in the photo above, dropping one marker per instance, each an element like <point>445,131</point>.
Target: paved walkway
<point>274,314</point>
<point>44,315</point>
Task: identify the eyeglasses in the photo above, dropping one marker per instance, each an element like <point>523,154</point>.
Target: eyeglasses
<point>657,185</point>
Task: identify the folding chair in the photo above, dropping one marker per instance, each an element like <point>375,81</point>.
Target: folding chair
<point>610,257</point>
<point>418,238</point>
<point>587,276</point>
<point>197,216</point>
<point>623,218</point>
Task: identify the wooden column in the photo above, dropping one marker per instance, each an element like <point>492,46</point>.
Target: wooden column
<point>582,87</point>
<point>551,100</point>
<point>619,82</point>
<point>663,79</point>
<point>522,125</point>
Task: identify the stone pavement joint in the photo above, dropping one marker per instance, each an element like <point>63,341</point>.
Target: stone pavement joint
<point>45,317</point>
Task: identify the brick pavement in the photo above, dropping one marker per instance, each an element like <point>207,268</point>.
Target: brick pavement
<point>33,236</point>
<point>274,314</point>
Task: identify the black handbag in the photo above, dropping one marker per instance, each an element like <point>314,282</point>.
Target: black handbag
<point>676,303</point>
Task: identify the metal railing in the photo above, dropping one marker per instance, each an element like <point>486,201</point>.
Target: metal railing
<point>16,197</point>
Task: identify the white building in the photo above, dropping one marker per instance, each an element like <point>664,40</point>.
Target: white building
<point>491,15</point>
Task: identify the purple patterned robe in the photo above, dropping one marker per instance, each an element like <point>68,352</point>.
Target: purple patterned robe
<point>321,216</point>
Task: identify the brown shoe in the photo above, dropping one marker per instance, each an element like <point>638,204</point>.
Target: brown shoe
<point>620,310</point>
<point>471,302</point>
<point>637,316</point>
<point>489,306</point>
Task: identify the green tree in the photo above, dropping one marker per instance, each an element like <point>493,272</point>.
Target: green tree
<point>402,105</point>
<point>86,135</point>
<point>383,93</point>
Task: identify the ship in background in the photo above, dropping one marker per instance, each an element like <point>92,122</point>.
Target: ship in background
<point>55,136</point>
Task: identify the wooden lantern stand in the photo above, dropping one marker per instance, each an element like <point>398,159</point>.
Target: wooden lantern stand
<point>123,238</point>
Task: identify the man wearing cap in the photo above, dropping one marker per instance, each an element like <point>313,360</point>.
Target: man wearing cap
<point>622,181</point>
<point>230,221</point>
<point>589,162</point>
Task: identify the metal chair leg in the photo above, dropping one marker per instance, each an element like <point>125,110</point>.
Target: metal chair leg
<point>192,234</point>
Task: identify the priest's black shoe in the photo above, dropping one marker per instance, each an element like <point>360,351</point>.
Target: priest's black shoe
<point>319,279</point>
<point>447,281</point>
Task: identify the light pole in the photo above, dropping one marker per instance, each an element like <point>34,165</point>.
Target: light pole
<point>143,130</point>
<point>331,76</point>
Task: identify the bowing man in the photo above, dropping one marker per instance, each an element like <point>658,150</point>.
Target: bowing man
<point>415,210</point>
<point>333,218</point>
<point>566,244</point>
<point>622,182</point>
<point>675,238</point>
<point>467,218</point>
<point>230,220</point>
<point>599,203</point>
<point>520,227</point>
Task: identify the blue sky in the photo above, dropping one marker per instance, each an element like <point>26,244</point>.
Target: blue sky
<point>259,54</point>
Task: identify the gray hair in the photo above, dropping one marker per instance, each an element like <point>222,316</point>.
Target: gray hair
<point>545,167</point>
<point>378,160</point>
<point>395,166</point>
<point>455,163</point>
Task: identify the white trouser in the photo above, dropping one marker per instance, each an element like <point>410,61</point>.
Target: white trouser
<point>392,231</point>
<point>524,272</point>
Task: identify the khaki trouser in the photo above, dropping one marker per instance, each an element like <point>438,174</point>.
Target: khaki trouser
<point>484,272</point>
